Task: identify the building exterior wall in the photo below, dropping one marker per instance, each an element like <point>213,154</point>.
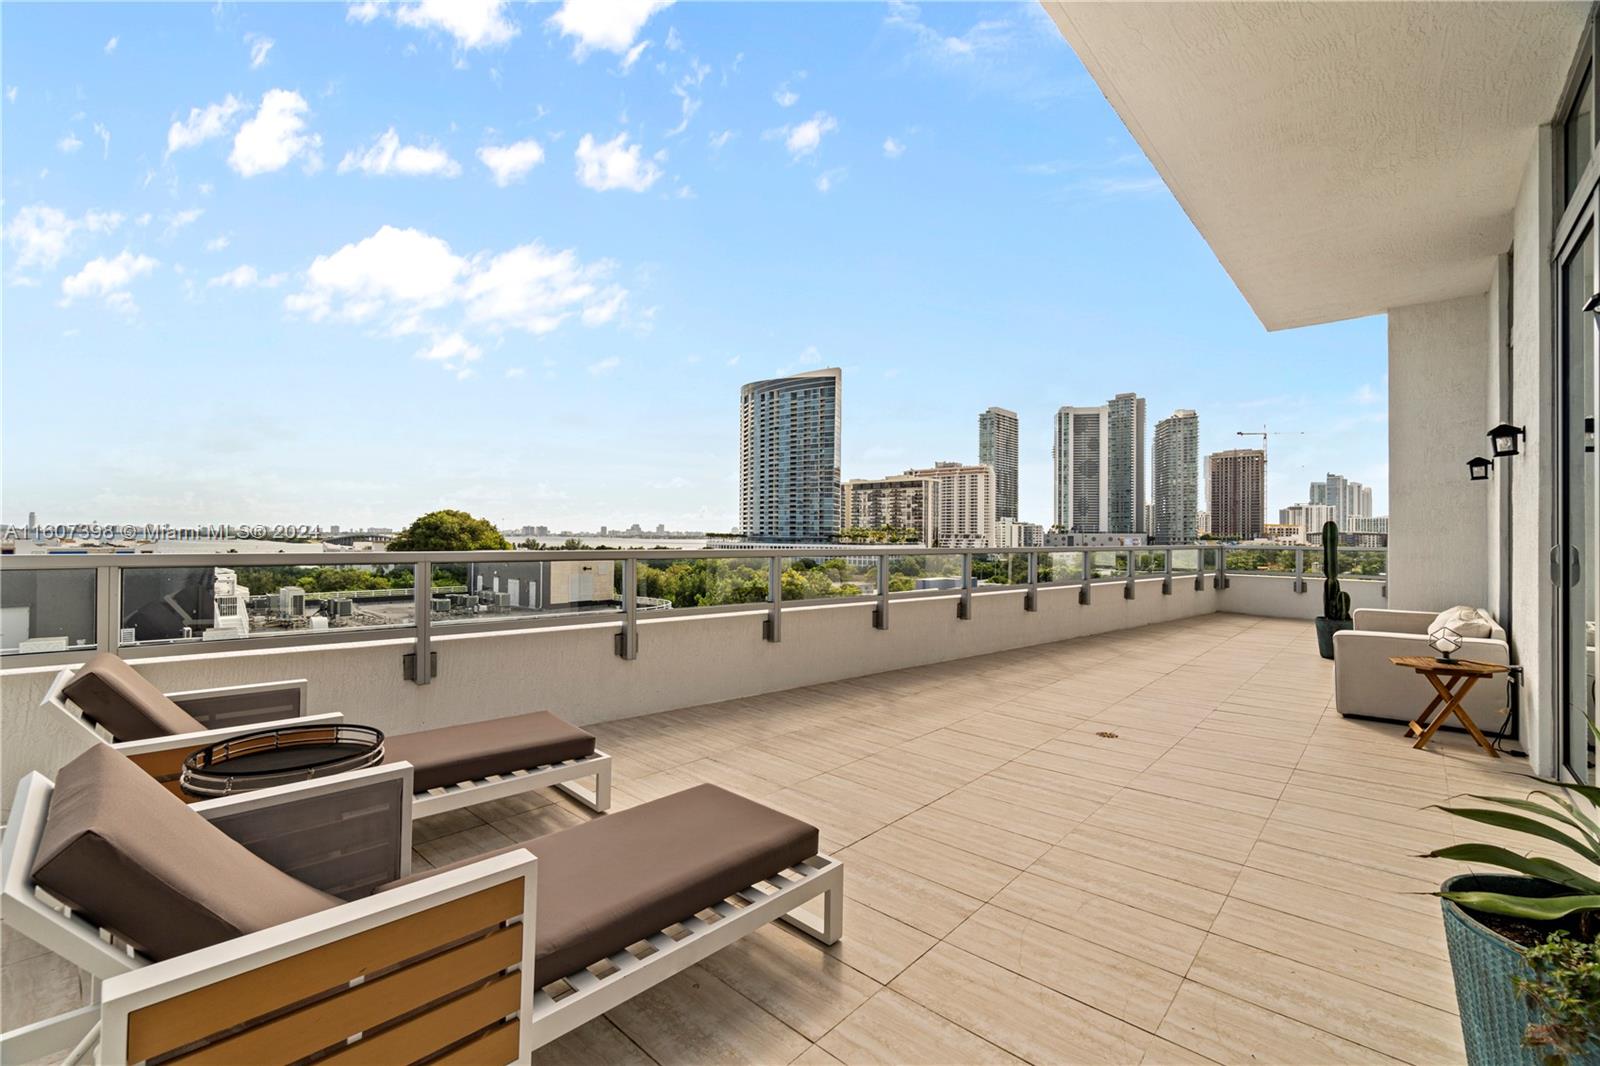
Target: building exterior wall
<point>997,447</point>
<point>965,504</point>
<point>1438,519</point>
<point>907,502</point>
<point>1080,454</point>
<point>789,430</point>
<point>1125,464</point>
<point>1236,493</point>
<point>1175,473</point>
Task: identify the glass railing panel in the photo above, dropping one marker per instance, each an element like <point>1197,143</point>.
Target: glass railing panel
<point>1108,564</point>
<point>1150,562</point>
<point>515,589</point>
<point>46,610</point>
<point>1000,568</point>
<point>667,583</point>
<point>1186,561</point>
<point>1260,561</point>
<point>831,578</point>
<point>920,573</point>
<point>165,605</point>
<point>1061,567</point>
<point>1358,563</point>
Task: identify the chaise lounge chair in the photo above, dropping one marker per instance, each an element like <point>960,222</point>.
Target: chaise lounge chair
<point>202,947</point>
<point>453,766</point>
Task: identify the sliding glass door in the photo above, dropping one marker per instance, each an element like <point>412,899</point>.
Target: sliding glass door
<point>1575,559</point>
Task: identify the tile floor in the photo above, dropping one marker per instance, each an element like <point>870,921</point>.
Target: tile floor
<point>1154,846</point>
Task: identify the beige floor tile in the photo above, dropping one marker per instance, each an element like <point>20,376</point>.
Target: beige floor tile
<point>891,1030</point>
<point>940,863</point>
<point>1148,936</point>
<point>464,845</point>
<point>1024,1017</point>
<point>905,896</point>
<point>791,977</point>
<point>1123,986</point>
<point>696,1018</point>
<point>1357,1012</point>
<point>598,1041</point>
<point>874,943</point>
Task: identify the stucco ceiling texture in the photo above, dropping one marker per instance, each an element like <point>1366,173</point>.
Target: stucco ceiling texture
<point>1340,158</point>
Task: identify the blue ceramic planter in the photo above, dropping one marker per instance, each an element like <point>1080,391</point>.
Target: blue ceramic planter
<point>1493,1017</point>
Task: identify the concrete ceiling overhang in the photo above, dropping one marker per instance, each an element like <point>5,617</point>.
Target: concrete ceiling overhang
<point>1340,158</point>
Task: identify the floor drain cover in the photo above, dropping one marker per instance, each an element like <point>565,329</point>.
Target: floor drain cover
<point>1108,736</point>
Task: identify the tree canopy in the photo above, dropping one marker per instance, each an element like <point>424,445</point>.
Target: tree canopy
<point>449,531</point>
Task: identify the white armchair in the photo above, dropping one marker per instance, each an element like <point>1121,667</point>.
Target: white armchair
<point>1367,685</point>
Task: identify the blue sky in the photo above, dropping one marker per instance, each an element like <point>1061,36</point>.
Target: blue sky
<point>329,263</point>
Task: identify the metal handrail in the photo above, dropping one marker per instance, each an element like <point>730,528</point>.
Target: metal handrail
<point>423,630</point>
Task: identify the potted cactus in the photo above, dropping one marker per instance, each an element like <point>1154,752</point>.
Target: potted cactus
<point>1335,615</point>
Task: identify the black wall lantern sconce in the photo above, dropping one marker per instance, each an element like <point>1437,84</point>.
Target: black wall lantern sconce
<point>1478,466</point>
<point>1503,439</point>
<point>1593,303</point>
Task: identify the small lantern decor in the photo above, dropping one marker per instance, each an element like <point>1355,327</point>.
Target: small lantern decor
<point>1446,642</point>
<point>1503,439</point>
<point>1478,467</point>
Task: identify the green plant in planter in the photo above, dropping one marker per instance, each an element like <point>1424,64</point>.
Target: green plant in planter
<point>1335,602</point>
<point>1565,991</point>
<point>1554,916</point>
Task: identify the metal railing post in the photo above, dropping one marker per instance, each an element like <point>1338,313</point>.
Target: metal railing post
<point>422,607</point>
<point>1299,569</point>
<point>880,613</point>
<point>1128,591</point>
<point>1030,602</point>
<point>628,639</point>
<point>1085,590</point>
<point>1166,573</point>
<point>1220,581</point>
<point>772,628</point>
<point>1199,569</point>
<point>964,604</point>
<point>107,590</point>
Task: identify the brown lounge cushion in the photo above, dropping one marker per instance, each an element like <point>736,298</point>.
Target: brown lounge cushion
<point>455,753</point>
<point>118,847</point>
<point>620,878</point>
<point>114,695</point>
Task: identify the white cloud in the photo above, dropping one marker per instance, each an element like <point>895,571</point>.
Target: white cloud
<point>245,276</point>
<point>203,124</point>
<point>605,366</point>
<point>406,282</point>
<point>1366,394</point>
<point>611,25</point>
<point>803,138</point>
<point>217,243</point>
<point>784,96</point>
<point>893,149</point>
<point>451,348</point>
<point>40,235</point>
<point>689,104</point>
<point>829,178</point>
<point>473,23</point>
<point>177,220</point>
<point>259,48</point>
<point>104,134</point>
<point>275,137</point>
<point>111,46</point>
<point>11,94</point>
<point>674,43</point>
<point>516,372</point>
<point>387,155</point>
<point>614,165</point>
<point>633,55</point>
<point>108,278</point>
<point>69,144</point>
<point>511,162</point>
<point>720,140</point>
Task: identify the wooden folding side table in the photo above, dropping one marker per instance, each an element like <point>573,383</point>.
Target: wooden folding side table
<point>1452,680</point>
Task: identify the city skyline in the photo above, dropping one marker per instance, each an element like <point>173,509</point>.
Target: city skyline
<point>885,204</point>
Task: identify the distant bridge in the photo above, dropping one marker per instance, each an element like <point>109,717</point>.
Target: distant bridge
<point>358,536</point>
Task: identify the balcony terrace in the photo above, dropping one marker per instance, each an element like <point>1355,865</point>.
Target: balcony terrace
<point>1160,845</point>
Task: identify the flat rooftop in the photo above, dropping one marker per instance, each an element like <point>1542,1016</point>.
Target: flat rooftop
<point>1159,845</point>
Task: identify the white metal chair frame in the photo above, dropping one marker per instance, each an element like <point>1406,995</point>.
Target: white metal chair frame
<point>561,775</point>
<point>125,981</point>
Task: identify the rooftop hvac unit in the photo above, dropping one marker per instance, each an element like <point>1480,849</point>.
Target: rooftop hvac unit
<point>344,608</point>
<point>460,600</point>
<point>502,599</point>
<point>440,603</point>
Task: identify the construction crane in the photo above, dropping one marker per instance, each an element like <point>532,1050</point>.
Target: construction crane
<point>1264,433</point>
